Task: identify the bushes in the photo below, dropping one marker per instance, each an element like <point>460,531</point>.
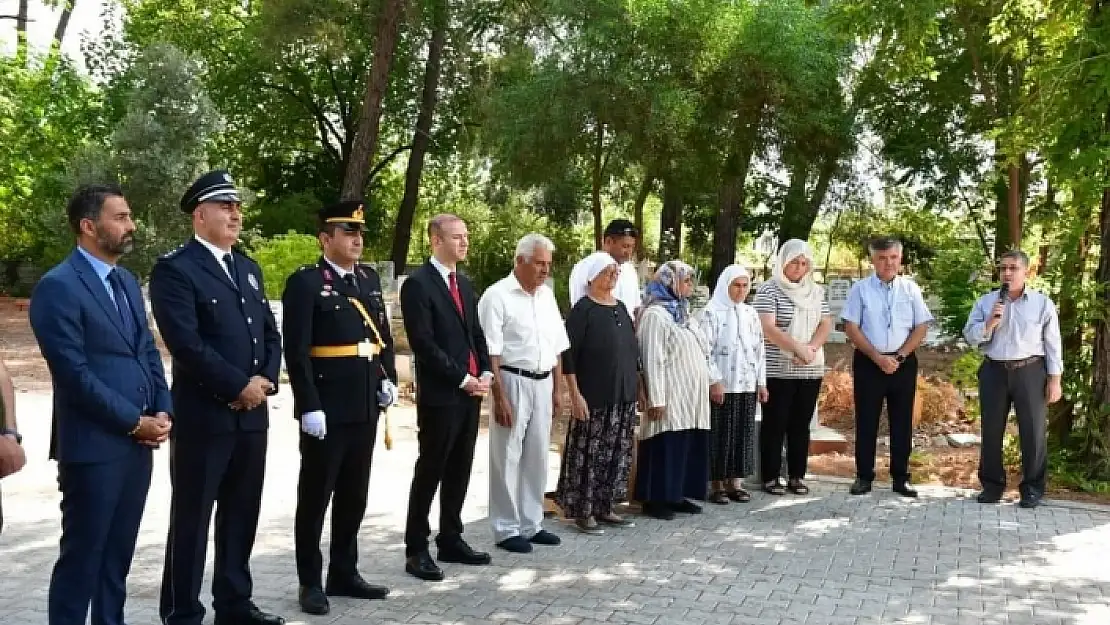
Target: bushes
<point>280,256</point>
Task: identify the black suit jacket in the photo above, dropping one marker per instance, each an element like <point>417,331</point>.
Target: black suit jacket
<point>220,334</point>
<point>316,311</point>
<point>440,338</point>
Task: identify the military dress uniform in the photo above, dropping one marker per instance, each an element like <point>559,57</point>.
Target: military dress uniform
<point>338,352</point>
<point>216,322</point>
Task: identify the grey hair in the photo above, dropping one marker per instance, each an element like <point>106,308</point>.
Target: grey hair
<point>882,244</point>
<point>1017,255</point>
<point>436,224</point>
<point>528,244</point>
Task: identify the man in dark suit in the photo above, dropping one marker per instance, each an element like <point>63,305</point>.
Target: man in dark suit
<point>111,406</point>
<point>215,319</point>
<point>339,353</point>
<point>441,320</point>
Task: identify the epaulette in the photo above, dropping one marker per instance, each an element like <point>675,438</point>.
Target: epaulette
<point>312,267</point>
<point>174,252</point>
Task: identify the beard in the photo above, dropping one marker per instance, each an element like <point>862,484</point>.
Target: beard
<point>120,245</point>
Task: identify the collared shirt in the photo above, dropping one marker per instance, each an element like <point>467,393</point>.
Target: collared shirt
<point>627,291</point>
<point>886,313</point>
<point>339,270</point>
<point>1029,327</point>
<point>218,254</point>
<point>102,270</point>
<point>444,272</point>
<point>524,329</point>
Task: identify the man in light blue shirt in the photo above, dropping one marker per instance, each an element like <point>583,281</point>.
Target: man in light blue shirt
<point>1017,329</point>
<point>886,319</point>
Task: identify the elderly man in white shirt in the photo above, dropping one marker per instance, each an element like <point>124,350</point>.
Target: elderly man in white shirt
<point>619,241</point>
<point>525,335</point>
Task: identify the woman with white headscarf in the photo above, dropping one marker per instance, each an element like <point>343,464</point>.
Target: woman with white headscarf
<point>601,369</point>
<point>796,323</point>
<point>672,464</point>
<point>739,379</point>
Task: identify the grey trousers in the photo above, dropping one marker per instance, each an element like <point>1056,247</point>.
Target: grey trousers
<point>1024,389</point>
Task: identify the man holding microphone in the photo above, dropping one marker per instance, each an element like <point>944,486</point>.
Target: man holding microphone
<point>1018,331</point>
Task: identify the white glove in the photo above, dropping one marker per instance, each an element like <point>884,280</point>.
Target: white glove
<point>315,424</point>
<point>388,395</point>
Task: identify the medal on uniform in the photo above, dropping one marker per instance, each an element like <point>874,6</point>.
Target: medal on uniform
<point>253,281</point>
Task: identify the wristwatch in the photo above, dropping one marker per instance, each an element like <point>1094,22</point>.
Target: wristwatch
<point>12,433</point>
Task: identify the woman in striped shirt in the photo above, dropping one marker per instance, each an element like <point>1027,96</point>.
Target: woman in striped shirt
<point>796,323</point>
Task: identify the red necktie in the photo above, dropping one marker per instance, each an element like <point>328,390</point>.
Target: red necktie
<point>472,366</point>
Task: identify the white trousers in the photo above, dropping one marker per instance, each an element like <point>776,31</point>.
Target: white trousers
<point>518,458</point>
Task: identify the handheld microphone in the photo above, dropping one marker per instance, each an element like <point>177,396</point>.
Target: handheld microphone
<point>1003,296</point>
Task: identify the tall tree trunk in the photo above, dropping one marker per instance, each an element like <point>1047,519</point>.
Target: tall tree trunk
<point>1100,386</point>
<point>670,221</point>
<point>377,81</point>
<point>638,212</point>
<point>402,232</point>
<point>21,32</point>
<point>1014,208</point>
<point>63,22</point>
<point>595,182</point>
<point>1061,415</point>
<point>731,204</point>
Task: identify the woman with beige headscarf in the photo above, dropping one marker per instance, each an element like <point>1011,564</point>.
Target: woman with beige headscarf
<point>796,323</point>
<point>739,379</point>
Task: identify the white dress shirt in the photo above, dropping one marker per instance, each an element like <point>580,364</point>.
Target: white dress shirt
<point>444,272</point>
<point>218,254</point>
<point>524,329</point>
<point>627,291</point>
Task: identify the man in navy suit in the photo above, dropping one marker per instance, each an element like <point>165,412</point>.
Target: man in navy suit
<point>441,320</point>
<point>215,319</point>
<point>111,406</point>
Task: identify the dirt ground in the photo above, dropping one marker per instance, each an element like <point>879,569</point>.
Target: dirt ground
<point>930,464</point>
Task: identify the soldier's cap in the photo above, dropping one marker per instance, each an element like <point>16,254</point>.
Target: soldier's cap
<point>349,215</point>
<point>215,186</point>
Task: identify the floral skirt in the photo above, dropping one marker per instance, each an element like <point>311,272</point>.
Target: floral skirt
<point>596,461</point>
<point>732,442</point>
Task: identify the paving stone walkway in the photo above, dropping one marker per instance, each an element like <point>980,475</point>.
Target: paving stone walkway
<point>825,559</point>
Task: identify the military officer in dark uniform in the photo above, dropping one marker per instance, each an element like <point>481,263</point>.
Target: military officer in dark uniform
<point>213,315</point>
<point>339,354</point>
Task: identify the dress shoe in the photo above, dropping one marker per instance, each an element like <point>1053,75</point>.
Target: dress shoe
<point>860,487</point>
<point>658,510</point>
<point>313,600</point>
<point>544,537</point>
<point>904,489</point>
<point>686,507</point>
<point>355,587</point>
<point>252,616</point>
<point>515,544</point>
<point>461,553</point>
<point>1030,501</point>
<point>989,496</point>
<point>424,567</point>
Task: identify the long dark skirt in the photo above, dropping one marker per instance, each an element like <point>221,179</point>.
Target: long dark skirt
<point>732,439</point>
<point>596,461</point>
<point>672,466</point>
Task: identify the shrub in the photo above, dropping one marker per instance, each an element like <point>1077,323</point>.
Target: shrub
<point>280,256</point>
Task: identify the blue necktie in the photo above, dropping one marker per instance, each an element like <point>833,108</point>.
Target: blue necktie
<point>122,304</point>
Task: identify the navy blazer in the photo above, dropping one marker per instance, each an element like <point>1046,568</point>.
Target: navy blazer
<point>103,380</point>
<point>220,334</point>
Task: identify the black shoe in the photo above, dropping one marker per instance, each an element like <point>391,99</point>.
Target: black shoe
<point>544,537</point>
<point>1030,501</point>
<point>313,600</point>
<point>424,567</point>
<point>904,489</point>
<point>660,511</point>
<point>355,587</point>
<point>989,496</point>
<point>860,487</point>
<point>461,553</point>
<point>253,616</point>
<point>686,507</point>
<point>515,544</point>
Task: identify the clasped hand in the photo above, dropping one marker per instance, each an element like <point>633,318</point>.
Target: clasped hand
<point>253,394</point>
<point>805,354</point>
<point>154,430</point>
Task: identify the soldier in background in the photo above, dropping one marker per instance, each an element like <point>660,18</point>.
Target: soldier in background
<point>339,354</point>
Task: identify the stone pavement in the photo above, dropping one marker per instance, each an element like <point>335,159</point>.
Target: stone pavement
<point>825,559</point>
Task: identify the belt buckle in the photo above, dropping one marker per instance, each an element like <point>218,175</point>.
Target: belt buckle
<point>364,350</point>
